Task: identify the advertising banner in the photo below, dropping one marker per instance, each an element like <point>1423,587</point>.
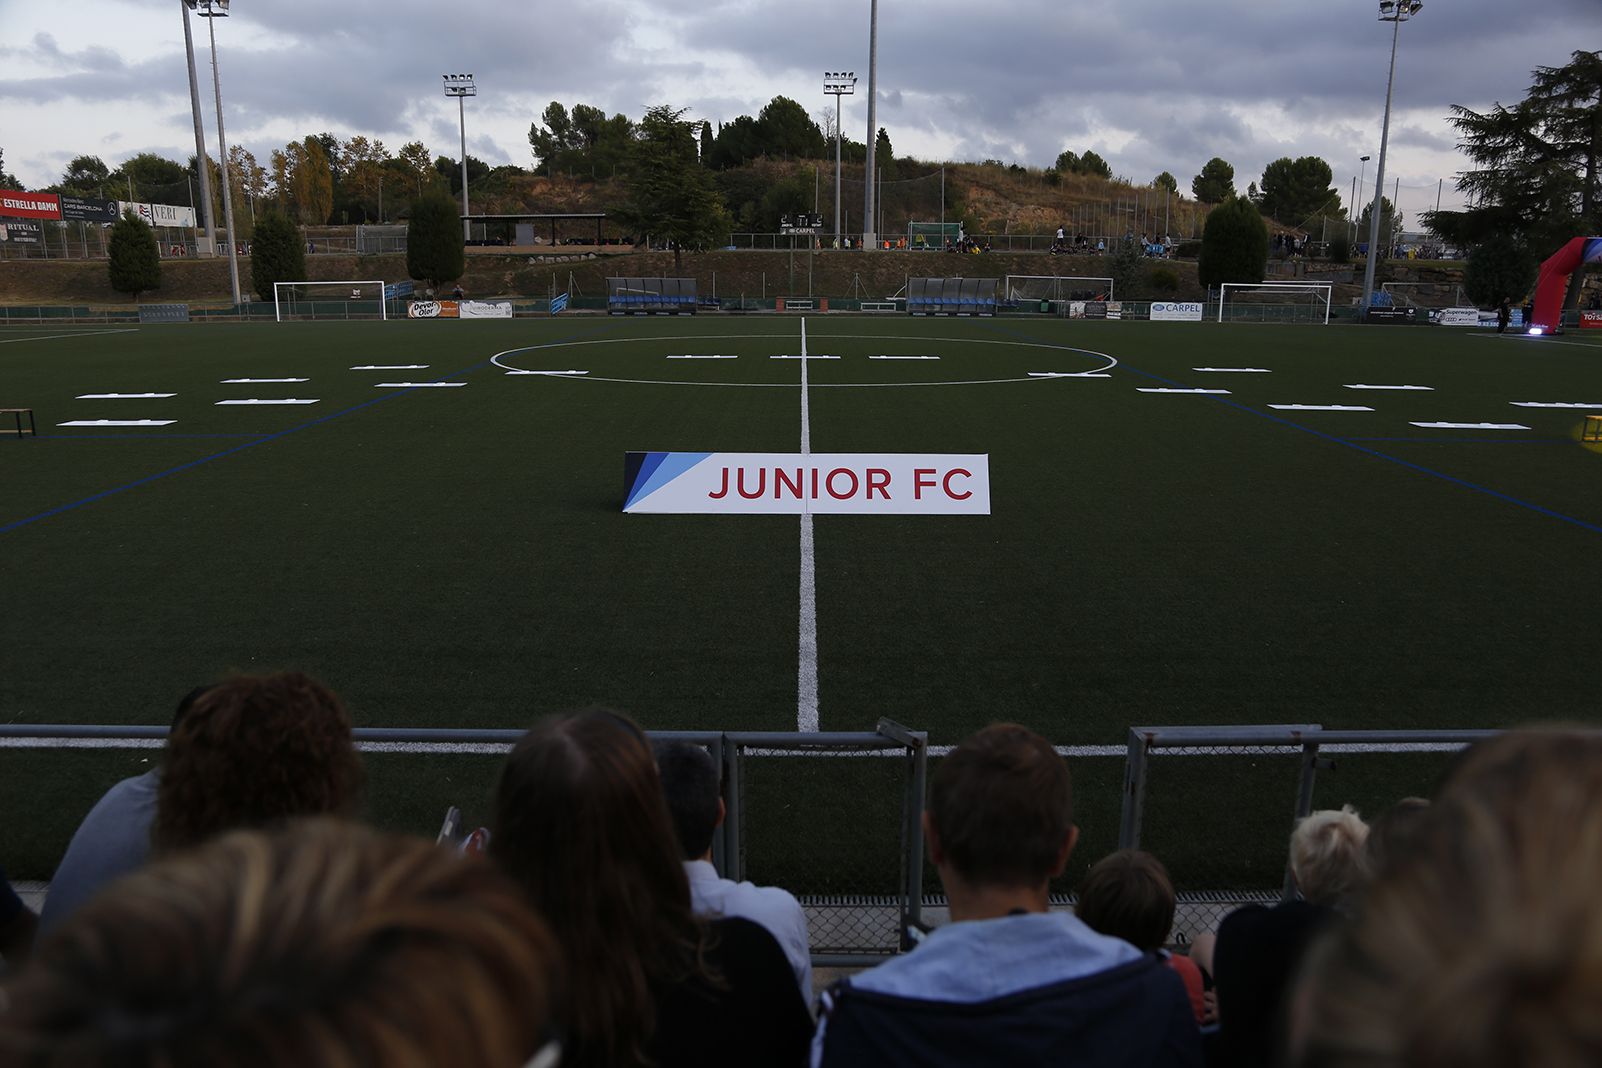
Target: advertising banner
<point>1095,309</point>
<point>1457,316</point>
<point>85,209</point>
<point>144,211</point>
<point>479,309</point>
<point>432,309</point>
<point>172,215</point>
<point>1391,315</point>
<point>776,483</point>
<point>1591,320</point>
<point>22,233</point>
<point>1176,312</point>
<point>19,205</point>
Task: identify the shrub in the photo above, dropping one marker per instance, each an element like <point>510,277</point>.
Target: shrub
<point>1497,268</point>
<point>1188,250</point>
<point>1163,280</point>
<point>435,252</point>
<point>1340,247</point>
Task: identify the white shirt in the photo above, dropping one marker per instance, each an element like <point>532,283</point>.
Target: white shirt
<point>775,909</point>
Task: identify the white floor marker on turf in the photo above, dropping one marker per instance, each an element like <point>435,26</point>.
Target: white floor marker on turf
<point>1162,389</point>
<point>260,381</point>
<point>1322,407</point>
<point>803,356</point>
<point>695,357</point>
<point>903,357</point>
<point>1472,426</point>
<point>1554,404</point>
<point>806,710</point>
<point>270,400</point>
<point>417,385</point>
<point>1235,370</point>
<point>122,396</point>
<point>1366,385</point>
<point>118,422</point>
<point>547,372</point>
<point>391,367</point>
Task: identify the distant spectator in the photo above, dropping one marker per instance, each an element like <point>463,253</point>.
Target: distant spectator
<point>255,751</point>
<point>1393,837</point>
<point>581,824</point>
<point>1258,950</point>
<point>18,925</point>
<point>1008,982</point>
<point>1128,895</point>
<point>1483,948</point>
<point>690,783</point>
<point>113,840</point>
<point>323,945</point>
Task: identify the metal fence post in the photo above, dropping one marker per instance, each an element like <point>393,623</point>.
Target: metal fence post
<point>733,855</point>
<point>1133,812</point>
<point>917,743</point>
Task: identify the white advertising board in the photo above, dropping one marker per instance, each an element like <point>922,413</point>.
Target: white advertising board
<point>772,483</point>
<point>480,309</point>
<point>1176,311</point>
<point>1458,317</point>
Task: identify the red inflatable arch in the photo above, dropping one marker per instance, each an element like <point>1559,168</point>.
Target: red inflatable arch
<point>1554,281</point>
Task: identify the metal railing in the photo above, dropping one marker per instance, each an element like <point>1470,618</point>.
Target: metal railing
<point>857,900</point>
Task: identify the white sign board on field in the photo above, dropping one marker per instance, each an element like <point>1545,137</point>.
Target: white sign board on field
<point>772,483</point>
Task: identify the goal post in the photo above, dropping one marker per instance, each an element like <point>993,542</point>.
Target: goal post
<point>1024,288</point>
<point>343,299</point>
<point>1314,297</point>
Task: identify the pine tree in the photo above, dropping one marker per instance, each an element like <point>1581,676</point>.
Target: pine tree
<point>277,253</point>
<point>134,263</point>
<point>435,250</point>
<point>670,196</point>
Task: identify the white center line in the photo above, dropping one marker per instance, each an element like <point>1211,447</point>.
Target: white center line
<point>806,712</point>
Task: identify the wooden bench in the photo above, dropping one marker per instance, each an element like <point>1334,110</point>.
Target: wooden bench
<point>16,416</point>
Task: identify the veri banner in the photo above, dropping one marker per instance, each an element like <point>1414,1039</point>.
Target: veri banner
<point>1176,312</point>
<point>776,483</point>
<point>16,204</point>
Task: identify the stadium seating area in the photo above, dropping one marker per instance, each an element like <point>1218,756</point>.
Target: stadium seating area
<point>227,908</point>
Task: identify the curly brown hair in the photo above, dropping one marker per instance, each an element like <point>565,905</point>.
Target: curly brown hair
<point>318,946</point>
<point>255,751</point>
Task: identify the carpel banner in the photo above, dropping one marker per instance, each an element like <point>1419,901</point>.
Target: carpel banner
<point>482,309</point>
<point>16,204</point>
<point>1176,312</point>
<point>777,483</point>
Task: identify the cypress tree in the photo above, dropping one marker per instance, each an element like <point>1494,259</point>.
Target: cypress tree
<point>277,253</point>
<point>435,252</point>
<point>135,261</point>
<point>1234,244</point>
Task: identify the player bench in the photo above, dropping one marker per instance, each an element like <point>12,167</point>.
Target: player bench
<point>16,416</point>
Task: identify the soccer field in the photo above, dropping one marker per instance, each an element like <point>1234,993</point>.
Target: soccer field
<point>1168,544</point>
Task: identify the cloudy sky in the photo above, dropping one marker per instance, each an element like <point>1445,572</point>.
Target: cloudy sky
<point>1151,85</point>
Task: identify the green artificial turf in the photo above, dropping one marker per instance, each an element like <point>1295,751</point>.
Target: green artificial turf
<point>456,557</point>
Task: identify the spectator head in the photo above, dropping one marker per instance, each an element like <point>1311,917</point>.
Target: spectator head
<point>1327,856</point>
<point>1394,835</point>
<point>690,784</point>
<point>1128,895</point>
<point>314,946</point>
<point>581,825</point>
<point>255,751</point>
<point>1483,947</point>
<point>1001,810</point>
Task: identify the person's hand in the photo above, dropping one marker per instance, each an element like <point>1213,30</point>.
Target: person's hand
<point>1209,1007</point>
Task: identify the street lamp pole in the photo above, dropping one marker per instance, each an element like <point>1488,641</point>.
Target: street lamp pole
<point>1359,182</point>
<point>209,246</point>
<point>461,87</point>
<point>838,84</point>
<point>1395,12</point>
<point>869,238</point>
<point>211,11</point>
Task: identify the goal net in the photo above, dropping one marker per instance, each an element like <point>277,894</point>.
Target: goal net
<point>1026,288</point>
<point>328,300</point>
<point>1274,302</point>
<point>932,235</point>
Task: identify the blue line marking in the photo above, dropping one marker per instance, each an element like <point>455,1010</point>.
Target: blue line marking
<point>1351,444</point>
<point>136,483</point>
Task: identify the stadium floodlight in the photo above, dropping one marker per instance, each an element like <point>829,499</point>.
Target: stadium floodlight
<point>211,11</point>
<point>208,245</point>
<point>1395,12</point>
<point>838,84</point>
<point>869,238</point>
<point>461,87</point>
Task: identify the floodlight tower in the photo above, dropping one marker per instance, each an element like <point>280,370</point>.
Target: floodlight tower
<point>1395,12</point>
<point>1358,183</point>
<point>838,84</point>
<point>869,238</point>
<point>209,246</point>
<point>461,87</point>
<point>211,11</point>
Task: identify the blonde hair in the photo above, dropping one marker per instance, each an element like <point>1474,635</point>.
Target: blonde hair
<point>1327,855</point>
<point>1483,947</point>
<point>325,945</point>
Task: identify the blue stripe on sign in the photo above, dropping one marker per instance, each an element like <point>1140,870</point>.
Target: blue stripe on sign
<point>670,467</point>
